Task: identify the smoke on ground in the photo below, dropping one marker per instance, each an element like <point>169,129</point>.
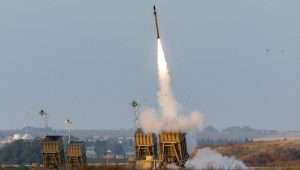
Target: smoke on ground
<point>169,117</point>
<point>207,158</point>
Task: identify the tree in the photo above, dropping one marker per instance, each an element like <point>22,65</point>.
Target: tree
<point>21,152</point>
<point>100,148</point>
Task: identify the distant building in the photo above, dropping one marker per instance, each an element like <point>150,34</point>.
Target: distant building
<point>15,137</point>
<point>108,156</point>
<point>120,157</point>
<point>91,152</point>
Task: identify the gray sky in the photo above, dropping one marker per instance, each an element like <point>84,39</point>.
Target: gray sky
<point>236,61</point>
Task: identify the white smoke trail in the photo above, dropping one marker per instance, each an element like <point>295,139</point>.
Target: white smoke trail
<point>207,158</point>
<point>168,104</point>
<point>170,117</point>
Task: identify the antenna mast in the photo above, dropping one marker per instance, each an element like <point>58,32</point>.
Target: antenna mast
<point>68,124</point>
<point>135,105</point>
<point>44,116</point>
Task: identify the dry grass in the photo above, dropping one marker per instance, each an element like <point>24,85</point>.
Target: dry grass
<point>265,153</point>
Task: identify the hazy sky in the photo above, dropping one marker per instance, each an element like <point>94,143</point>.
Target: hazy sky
<point>236,61</point>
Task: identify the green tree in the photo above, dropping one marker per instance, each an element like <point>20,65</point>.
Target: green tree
<point>101,148</point>
<point>21,152</point>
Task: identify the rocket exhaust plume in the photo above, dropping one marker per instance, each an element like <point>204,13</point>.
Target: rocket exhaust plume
<point>166,99</point>
<point>170,117</point>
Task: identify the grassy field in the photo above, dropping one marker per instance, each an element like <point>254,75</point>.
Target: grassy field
<point>282,153</point>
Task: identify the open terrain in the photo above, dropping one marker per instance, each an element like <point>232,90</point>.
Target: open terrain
<point>279,153</point>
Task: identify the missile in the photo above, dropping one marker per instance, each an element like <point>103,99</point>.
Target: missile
<point>156,22</point>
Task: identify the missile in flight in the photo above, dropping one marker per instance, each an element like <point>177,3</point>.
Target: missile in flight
<point>156,22</point>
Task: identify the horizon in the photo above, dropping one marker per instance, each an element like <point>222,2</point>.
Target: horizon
<point>132,129</point>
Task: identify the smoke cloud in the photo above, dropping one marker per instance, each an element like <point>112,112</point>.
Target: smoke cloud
<point>207,158</point>
<point>170,117</point>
